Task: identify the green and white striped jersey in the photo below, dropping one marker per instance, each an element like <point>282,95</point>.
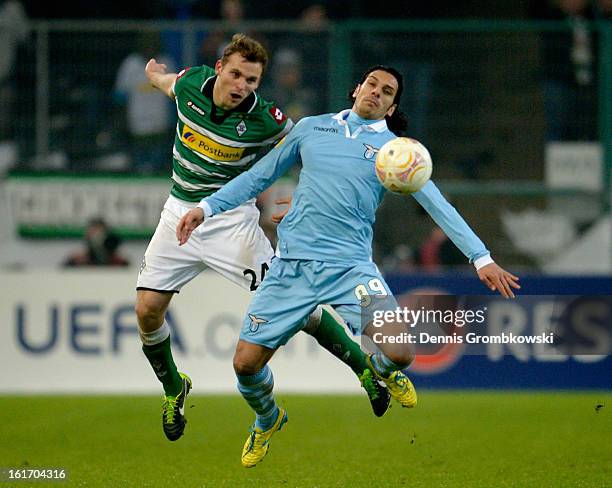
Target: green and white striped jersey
<point>212,146</point>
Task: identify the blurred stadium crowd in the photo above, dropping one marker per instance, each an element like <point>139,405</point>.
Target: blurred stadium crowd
<point>276,9</point>
<point>487,101</point>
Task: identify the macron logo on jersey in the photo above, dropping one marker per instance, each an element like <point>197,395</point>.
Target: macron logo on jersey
<point>333,130</point>
<point>277,115</point>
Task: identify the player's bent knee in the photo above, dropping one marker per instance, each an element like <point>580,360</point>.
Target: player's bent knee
<point>244,367</point>
<point>250,358</point>
<point>146,313</point>
<point>150,310</point>
<point>149,318</point>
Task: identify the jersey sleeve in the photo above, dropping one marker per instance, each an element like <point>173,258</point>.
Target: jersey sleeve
<point>254,181</point>
<point>450,221</point>
<point>277,124</point>
<point>186,76</point>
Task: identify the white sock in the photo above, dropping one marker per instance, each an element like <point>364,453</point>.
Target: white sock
<point>155,337</point>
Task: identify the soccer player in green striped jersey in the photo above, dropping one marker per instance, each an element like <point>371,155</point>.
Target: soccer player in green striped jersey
<point>223,127</point>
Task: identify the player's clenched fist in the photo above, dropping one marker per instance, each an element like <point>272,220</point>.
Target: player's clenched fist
<point>154,67</point>
<point>188,223</point>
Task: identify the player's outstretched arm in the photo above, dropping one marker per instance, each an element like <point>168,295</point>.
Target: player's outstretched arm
<point>497,278</point>
<point>453,225</point>
<point>188,223</point>
<point>156,73</point>
<point>257,179</point>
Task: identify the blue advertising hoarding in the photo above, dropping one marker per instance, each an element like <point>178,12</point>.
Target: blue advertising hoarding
<point>510,366</point>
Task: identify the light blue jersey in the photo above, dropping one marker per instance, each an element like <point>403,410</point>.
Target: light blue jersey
<point>325,240</point>
<point>335,201</point>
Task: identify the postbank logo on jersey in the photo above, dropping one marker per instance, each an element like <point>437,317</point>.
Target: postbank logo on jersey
<point>207,147</point>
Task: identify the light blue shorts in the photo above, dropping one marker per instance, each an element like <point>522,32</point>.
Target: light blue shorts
<point>293,288</point>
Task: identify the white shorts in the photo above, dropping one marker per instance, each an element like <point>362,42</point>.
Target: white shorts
<point>231,243</point>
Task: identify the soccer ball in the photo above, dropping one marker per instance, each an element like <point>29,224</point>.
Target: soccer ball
<point>403,165</point>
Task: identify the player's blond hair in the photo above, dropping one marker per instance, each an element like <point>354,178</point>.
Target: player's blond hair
<point>248,48</point>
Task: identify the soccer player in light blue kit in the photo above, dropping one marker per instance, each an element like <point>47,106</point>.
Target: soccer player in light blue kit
<point>325,244</point>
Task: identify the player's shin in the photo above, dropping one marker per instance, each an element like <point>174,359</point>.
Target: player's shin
<point>257,390</point>
<point>332,336</point>
<point>156,347</point>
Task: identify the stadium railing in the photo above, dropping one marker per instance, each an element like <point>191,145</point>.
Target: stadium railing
<point>475,94</point>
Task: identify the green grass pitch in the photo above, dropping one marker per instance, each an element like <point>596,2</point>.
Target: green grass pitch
<point>463,439</point>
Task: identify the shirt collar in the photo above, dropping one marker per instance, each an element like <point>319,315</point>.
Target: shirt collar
<point>378,126</point>
<point>247,105</point>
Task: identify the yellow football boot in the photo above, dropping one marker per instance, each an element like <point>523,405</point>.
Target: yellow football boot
<point>256,445</point>
<point>399,386</point>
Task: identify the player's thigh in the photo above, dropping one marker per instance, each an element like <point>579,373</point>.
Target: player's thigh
<point>236,247</point>
<point>358,293</point>
<point>166,266</point>
<point>280,307</point>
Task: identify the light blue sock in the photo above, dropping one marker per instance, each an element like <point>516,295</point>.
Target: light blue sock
<point>257,391</point>
<point>383,365</point>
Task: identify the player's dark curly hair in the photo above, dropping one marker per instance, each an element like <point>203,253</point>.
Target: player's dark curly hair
<point>397,122</point>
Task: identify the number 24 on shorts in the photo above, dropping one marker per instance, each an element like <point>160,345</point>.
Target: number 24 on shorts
<point>253,275</point>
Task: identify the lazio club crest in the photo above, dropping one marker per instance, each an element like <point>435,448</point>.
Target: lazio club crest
<point>255,322</point>
<point>370,151</point>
